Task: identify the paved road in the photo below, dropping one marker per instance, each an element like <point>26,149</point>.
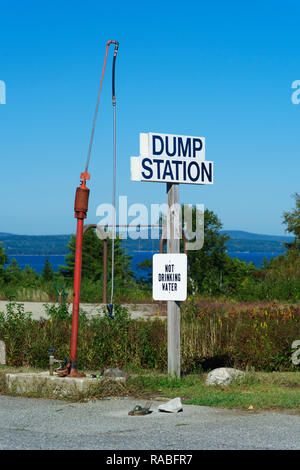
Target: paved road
<point>32,424</point>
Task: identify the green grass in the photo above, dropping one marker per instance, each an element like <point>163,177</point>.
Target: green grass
<point>268,391</point>
<point>259,390</point>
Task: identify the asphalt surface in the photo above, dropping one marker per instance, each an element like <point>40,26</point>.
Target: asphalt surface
<point>42,424</point>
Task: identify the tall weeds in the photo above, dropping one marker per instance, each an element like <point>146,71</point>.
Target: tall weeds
<point>252,336</point>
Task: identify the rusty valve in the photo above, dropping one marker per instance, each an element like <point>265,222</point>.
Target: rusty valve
<point>81,201</point>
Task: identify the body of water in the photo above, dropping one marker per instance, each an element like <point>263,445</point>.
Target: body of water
<point>37,261</point>
<point>256,257</point>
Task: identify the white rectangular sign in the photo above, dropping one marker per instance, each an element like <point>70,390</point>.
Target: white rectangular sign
<point>169,277</point>
<point>168,158</point>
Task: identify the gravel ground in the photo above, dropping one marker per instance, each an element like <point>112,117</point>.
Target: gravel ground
<point>41,424</point>
<point>37,309</point>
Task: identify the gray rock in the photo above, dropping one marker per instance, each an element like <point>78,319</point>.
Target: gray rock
<point>223,376</point>
<point>2,353</point>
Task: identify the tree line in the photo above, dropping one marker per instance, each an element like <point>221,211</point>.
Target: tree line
<point>211,271</point>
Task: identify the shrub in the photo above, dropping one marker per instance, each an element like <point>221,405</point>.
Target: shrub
<point>256,337</point>
<point>250,335</point>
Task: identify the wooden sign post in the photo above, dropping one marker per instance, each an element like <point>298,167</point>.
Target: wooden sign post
<point>173,246</point>
<point>172,159</point>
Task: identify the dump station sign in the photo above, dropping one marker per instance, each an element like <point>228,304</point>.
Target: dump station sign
<point>169,276</point>
<point>168,158</point>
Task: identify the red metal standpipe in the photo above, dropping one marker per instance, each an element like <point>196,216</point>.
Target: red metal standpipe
<point>80,208</point>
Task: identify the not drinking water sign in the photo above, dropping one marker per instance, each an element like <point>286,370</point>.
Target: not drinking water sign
<point>169,276</point>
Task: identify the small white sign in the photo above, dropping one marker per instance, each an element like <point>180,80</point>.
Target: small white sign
<point>169,277</point>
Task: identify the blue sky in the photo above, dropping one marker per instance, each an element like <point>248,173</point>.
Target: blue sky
<point>222,70</point>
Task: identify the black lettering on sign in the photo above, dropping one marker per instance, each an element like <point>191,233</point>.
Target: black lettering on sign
<point>147,168</point>
<point>160,145</point>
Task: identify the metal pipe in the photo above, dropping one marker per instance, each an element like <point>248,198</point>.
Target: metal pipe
<point>113,73</point>
<point>104,287</point>
<point>98,100</point>
<point>51,361</point>
<point>80,208</point>
<point>98,226</point>
<point>76,294</point>
<point>161,241</point>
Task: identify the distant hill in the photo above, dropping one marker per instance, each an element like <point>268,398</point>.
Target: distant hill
<point>239,241</point>
<point>240,235</point>
<point>57,244</point>
<point>34,244</point>
<point>253,242</point>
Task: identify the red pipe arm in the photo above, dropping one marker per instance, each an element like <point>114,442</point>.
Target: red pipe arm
<point>76,293</point>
